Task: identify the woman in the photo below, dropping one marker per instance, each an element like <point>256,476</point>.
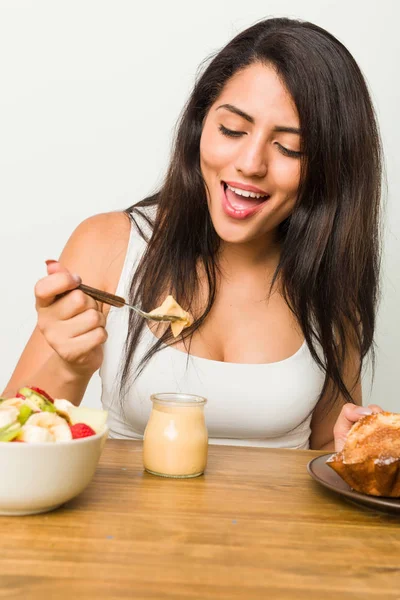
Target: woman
<point>265,229</point>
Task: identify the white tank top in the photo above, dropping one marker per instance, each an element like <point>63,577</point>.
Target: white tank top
<point>267,405</point>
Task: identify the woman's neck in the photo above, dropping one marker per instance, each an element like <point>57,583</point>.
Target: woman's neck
<point>236,260</point>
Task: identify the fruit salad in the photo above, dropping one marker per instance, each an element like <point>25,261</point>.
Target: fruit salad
<point>34,417</point>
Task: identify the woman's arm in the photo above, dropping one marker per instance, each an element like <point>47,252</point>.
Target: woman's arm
<point>96,252</point>
<point>330,426</point>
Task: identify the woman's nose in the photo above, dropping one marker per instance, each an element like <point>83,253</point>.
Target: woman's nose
<point>252,160</point>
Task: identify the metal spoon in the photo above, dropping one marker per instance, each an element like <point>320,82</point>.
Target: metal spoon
<point>118,301</point>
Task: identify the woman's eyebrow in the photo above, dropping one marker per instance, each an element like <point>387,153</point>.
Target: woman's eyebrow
<point>237,111</point>
<point>250,119</point>
<point>282,129</point>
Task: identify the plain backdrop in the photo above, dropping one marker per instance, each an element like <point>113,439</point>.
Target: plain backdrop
<point>90,93</point>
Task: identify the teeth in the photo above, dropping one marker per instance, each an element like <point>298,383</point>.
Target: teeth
<point>245,193</point>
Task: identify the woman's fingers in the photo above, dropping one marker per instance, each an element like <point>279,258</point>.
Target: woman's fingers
<point>70,320</point>
<point>56,330</point>
<point>59,282</point>
<point>78,350</point>
<point>84,322</point>
<point>349,415</point>
<point>375,408</point>
<point>72,304</point>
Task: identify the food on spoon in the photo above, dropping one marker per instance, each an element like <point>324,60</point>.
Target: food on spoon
<point>171,308</point>
<point>370,459</point>
<point>34,417</point>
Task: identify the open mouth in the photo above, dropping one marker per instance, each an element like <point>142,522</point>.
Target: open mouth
<point>239,203</point>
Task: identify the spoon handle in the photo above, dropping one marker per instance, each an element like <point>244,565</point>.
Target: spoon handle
<point>101,296</point>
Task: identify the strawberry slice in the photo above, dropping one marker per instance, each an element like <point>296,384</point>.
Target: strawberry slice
<point>42,393</point>
<point>81,430</point>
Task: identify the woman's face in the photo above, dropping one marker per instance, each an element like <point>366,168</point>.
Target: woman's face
<point>249,156</point>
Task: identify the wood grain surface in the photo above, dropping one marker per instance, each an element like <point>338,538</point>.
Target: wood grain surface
<point>254,526</point>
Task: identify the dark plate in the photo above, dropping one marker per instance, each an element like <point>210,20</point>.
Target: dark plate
<point>321,472</point>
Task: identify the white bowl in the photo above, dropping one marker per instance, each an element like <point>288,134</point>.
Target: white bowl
<point>36,478</point>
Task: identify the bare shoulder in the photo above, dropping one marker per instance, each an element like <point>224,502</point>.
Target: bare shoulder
<point>96,249</point>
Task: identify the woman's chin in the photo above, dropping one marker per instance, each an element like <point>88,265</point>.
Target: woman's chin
<point>235,229</point>
<point>232,233</point>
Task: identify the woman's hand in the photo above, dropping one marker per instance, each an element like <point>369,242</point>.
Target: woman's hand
<point>350,414</point>
<point>72,325</point>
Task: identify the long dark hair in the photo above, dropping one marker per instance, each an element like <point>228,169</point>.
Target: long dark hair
<point>330,250</point>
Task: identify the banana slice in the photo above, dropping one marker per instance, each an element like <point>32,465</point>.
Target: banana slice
<point>64,407</point>
<point>18,402</point>
<point>8,415</point>
<point>35,435</point>
<point>45,427</point>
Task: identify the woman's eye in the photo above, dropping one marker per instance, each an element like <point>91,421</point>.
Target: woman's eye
<point>287,152</point>
<point>230,132</point>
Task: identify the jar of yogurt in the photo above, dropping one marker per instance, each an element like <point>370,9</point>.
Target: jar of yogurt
<point>175,442</point>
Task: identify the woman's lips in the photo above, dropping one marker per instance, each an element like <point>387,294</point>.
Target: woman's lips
<point>239,207</point>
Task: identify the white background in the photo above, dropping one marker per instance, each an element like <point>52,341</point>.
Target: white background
<point>90,93</point>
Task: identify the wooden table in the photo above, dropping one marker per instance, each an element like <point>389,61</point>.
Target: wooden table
<point>255,526</point>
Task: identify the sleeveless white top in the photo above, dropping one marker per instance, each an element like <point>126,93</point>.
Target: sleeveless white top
<point>267,405</point>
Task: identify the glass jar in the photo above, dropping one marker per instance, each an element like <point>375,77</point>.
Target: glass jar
<point>175,442</point>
